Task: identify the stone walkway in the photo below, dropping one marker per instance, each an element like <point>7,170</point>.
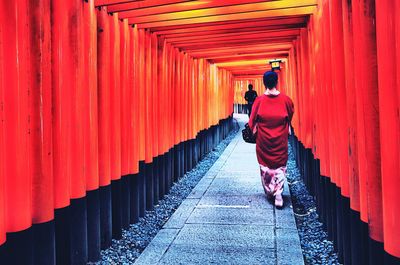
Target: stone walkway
<point>227,219</point>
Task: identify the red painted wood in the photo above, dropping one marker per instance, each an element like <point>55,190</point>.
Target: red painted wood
<point>40,118</point>
<point>354,184</point>
<point>340,96</point>
<point>103,68</point>
<point>77,179</point>
<point>126,144</point>
<point>368,115</point>
<point>115,97</point>
<point>90,112</point>
<point>62,103</point>
<point>2,128</point>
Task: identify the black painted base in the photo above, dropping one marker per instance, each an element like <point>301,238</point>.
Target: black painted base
<point>391,260</point>
<point>18,249</point>
<point>93,225</point>
<point>81,230</point>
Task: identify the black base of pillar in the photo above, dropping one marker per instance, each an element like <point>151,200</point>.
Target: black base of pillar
<point>125,201</point>
<point>116,209</point>
<point>44,246</point>
<point>134,198</point>
<point>18,248</point>
<point>170,169</point>
<point>71,233</point>
<point>142,188</point>
<point>156,180</point>
<point>346,230</point>
<point>78,231</point>
<point>93,227</point>
<point>391,260</point>
<point>161,176</point>
<point>149,186</point>
<point>376,252</point>
<point>105,216</point>
<point>339,224</point>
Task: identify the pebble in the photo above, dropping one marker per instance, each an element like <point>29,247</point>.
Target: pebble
<point>139,235</point>
<point>317,249</point>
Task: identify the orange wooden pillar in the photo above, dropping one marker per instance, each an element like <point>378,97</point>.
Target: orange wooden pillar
<point>141,87</point>
<point>388,69</point>
<point>40,132</point>
<point>148,120</point>
<point>134,126</point>
<point>16,176</point>
<point>155,122</point>
<point>351,95</point>
<point>78,207</point>
<point>368,121</point>
<point>2,149</point>
<point>90,133</point>
<point>17,188</point>
<point>341,152</point>
<point>115,123</point>
<point>103,71</point>
<point>62,113</point>
<point>127,147</point>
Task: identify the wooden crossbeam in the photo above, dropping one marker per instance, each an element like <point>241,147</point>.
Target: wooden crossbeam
<point>233,24</point>
<point>239,9</point>
<point>253,35</point>
<point>248,57</point>
<point>230,17</point>
<point>178,7</point>
<point>232,31</point>
<point>217,44</point>
<point>239,50</point>
<point>129,5</point>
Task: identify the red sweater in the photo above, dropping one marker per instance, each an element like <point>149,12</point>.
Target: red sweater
<point>272,114</point>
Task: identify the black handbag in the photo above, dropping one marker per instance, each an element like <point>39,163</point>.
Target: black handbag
<point>248,135</point>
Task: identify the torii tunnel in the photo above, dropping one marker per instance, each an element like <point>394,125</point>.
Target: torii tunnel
<point>105,103</point>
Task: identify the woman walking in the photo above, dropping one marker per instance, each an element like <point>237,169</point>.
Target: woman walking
<point>270,119</point>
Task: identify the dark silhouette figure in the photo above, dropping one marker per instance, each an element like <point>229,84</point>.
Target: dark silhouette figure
<point>250,97</point>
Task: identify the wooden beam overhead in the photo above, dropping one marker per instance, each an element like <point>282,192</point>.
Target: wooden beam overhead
<point>239,50</point>
<point>287,12</point>
<point>129,5</point>
<point>178,7</point>
<point>233,56</point>
<point>232,24</point>
<point>237,10</point>
<point>248,57</point>
<point>217,44</point>
<point>254,35</point>
<point>233,31</point>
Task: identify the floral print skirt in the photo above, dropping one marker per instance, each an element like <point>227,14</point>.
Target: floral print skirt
<point>273,180</point>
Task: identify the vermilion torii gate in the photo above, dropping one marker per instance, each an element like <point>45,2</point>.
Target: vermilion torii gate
<point>104,103</point>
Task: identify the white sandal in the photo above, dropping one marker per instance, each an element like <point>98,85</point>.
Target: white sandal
<point>278,201</point>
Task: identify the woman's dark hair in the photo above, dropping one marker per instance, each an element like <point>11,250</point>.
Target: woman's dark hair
<point>270,79</point>
<point>250,86</point>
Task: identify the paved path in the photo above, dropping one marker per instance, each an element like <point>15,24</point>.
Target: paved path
<point>227,219</point>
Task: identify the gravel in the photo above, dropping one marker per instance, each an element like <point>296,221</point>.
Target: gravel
<point>139,235</point>
<point>317,249</point>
